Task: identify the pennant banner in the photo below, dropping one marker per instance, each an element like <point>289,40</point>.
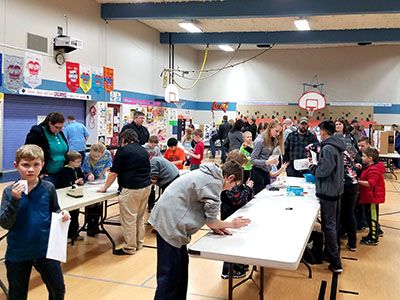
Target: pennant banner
<point>13,72</point>
<point>1,68</point>
<point>97,79</point>
<point>33,69</point>
<point>85,78</point>
<point>72,76</point>
<point>108,79</point>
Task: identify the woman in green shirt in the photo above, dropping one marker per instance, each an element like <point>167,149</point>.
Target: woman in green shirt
<point>48,135</point>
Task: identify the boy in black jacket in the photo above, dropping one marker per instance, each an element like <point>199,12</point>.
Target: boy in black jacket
<point>69,175</point>
<point>231,201</point>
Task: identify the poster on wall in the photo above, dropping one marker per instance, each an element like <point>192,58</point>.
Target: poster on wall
<point>97,79</point>
<point>33,69</point>
<point>108,79</point>
<point>72,76</point>
<point>13,75</point>
<point>85,78</point>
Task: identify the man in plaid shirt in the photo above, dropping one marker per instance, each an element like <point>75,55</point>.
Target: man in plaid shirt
<point>295,146</point>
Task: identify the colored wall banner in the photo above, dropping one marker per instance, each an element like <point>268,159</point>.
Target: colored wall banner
<point>33,69</point>
<point>72,76</point>
<point>108,79</point>
<point>1,68</point>
<point>97,79</point>
<point>85,78</point>
<point>13,72</point>
<point>54,94</point>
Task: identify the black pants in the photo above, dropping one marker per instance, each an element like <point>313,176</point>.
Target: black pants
<point>74,225</point>
<point>292,172</point>
<point>194,167</point>
<point>372,214</point>
<point>172,271</point>
<point>93,214</point>
<point>360,216</point>
<point>18,274</point>
<point>347,213</point>
<point>261,178</point>
<point>246,175</point>
<point>330,213</point>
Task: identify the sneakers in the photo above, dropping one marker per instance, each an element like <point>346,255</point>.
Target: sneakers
<point>370,242</point>
<point>120,252</point>
<point>351,248</point>
<point>335,268</point>
<point>236,274</point>
<point>380,232</point>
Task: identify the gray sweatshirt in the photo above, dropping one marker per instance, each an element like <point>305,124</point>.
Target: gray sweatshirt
<point>187,204</point>
<point>163,169</point>
<point>235,140</point>
<point>261,153</point>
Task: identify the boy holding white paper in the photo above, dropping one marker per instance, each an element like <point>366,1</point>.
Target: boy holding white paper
<point>27,218</point>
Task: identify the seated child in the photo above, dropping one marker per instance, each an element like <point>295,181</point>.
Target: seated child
<point>372,193</point>
<point>69,175</point>
<point>231,201</point>
<point>175,154</point>
<point>152,146</point>
<point>95,166</point>
<point>27,216</point>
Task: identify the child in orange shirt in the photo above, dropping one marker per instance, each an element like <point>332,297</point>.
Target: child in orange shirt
<point>175,154</point>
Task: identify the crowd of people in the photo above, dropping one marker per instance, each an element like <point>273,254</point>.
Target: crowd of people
<point>349,186</point>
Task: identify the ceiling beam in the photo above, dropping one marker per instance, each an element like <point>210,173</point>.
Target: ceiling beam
<point>246,9</point>
<point>284,37</point>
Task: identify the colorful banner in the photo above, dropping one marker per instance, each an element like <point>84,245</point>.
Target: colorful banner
<point>1,68</point>
<point>33,69</point>
<point>85,78</point>
<point>97,79</point>
<point>108,79</point>
<point>13,72</point>
<point>72,76</point>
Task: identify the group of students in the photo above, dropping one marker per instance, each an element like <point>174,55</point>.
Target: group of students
<point>187,202</point>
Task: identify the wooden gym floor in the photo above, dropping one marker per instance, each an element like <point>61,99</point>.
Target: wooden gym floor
<point>92,272</point>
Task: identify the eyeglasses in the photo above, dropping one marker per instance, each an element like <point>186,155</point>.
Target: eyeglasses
<point>57,127</point>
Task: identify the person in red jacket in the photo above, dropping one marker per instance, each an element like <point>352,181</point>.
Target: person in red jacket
<point>372,192</point>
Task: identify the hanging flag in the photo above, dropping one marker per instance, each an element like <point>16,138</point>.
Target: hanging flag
<point>13,72</point>
<point>97,79</point>
<point>33,69</point>
<point>72,76</point>
<point>1,68</point>
<point>85,78</point>
<point>108,79</point>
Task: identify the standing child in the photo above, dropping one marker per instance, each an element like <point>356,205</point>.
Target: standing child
<point>198,152</point>
<point>72,174</point>
<point>152,146</point>
<point>188,204</point>
<point>247,149</point>
<point>175,154</point>
<point>372,193</point>
<point>95,166</point>
<point>27,216</point>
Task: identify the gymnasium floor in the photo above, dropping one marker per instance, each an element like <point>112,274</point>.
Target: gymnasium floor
<point>92,272</point>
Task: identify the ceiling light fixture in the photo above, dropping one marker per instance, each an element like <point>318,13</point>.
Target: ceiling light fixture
<point>190,27</point>
<point>302,24</point>
<point>226,48</point>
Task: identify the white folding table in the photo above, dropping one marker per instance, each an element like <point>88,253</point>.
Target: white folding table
<point>276,237</point>
<point>388,159</point>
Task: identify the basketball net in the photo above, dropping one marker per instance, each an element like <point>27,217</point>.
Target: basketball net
<point>310,111</point>
<point>179,104</point>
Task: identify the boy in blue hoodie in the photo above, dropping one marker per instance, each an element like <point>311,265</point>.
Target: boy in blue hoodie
<point>329,183</point>
<point>188,204</point>
<point>26,213</point>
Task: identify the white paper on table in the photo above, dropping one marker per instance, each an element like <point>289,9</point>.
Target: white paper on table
<point>314,157</point>
<point>57,248</point>
<point>301,164</point>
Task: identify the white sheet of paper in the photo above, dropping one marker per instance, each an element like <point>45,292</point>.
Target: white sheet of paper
<point>25,183</point>
<point>57,248</point>
<point>314,158</point>
<point>301,164</point>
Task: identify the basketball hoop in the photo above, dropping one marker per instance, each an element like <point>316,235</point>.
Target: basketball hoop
<point>310,112</point>
<point>312,101</point>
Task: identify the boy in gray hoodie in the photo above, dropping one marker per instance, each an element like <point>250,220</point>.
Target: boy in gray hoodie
<point>329,183</point>
<point>185,206</point>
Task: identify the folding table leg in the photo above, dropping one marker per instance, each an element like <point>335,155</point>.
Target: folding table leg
<point>230,282</point>
<point>261,289</point>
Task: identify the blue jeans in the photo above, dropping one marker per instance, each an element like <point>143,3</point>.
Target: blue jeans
<point>172,271</point>
<point>212,148</point>
<point>18,274</point>
<point>330,211</point>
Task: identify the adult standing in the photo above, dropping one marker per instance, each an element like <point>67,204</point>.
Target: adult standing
<point>288,128</point>
<point>235,136</point>
<point>329,175</point>
<point>132,167</point>
<point>48,135</point>
<point>262,158</point>
<point>137,126</point>
<point>224,129</point>
<point>77,136</point>
<point>295,145</point>
<point>343,130</point>
<point>252,127</point>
